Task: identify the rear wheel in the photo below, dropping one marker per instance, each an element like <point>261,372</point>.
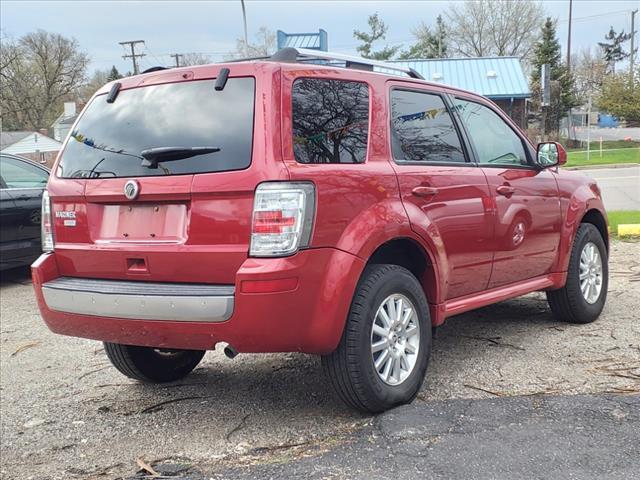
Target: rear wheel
<point>382,357</point>
<point>152,365</point>
<point>582,298</point>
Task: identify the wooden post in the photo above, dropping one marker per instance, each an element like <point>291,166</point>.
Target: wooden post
<point>600,147</point>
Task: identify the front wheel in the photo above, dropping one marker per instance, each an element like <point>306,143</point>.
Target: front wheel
<point>382,357</point>
<point>152,365</point>
<point>582,298</point>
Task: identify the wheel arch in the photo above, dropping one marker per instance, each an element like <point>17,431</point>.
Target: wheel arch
<point>596,218</point>
<point>410,254</point>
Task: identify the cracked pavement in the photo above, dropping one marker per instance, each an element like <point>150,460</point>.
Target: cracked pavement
<point>542,397</point>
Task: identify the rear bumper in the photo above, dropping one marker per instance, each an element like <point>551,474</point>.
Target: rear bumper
<point>298,303</point>
<point>139,300</point>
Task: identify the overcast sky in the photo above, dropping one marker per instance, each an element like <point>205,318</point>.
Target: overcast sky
<point>212,27</point>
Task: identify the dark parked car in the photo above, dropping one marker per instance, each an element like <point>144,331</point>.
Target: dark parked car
<point>21,185</point>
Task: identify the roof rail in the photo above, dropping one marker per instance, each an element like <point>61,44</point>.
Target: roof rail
<point>293,55</point>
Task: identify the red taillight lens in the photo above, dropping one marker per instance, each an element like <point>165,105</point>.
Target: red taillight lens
<point>272,222</point>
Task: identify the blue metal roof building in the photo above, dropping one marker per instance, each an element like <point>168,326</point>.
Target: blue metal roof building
<point>493,77</point>
<point>501,79</point>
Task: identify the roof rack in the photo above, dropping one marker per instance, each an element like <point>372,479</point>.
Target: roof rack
<point>294,55</point>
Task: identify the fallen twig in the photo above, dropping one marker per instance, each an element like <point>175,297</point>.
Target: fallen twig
<point>93,371</point>
<point>157,406</point>
<point>237,427</point>
<point>497,394</point>
<point>494,342</point>
<point>24,347</point>
<point>146,467</point>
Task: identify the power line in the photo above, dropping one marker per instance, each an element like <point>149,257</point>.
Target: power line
<point>132,44</point>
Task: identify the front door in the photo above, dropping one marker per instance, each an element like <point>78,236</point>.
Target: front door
<point>527,203</point>
<point>445,194</point>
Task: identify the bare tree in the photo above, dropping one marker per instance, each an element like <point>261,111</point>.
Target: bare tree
<point>264,45</point>
<point>188,59</point>
<point>480,28</point>
<point>39,72</point>
<point>589,72</point>
<point>97,80</point>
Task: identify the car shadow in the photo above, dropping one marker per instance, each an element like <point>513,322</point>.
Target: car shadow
<point>17,275</point>
<point>268,384</point>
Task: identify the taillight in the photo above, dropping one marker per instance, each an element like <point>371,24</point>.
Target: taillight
<point>282,218</point>
<point>46,229</point>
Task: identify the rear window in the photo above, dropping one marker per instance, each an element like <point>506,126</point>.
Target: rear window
<point>109,138</point>
<point>330,121</point>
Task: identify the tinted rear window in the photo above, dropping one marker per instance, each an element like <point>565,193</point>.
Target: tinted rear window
<point>330,121</point>
<point>109,137</point>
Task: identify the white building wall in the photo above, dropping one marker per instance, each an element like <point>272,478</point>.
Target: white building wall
<point>34,142</point>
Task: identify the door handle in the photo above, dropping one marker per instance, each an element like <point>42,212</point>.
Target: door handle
<point>506,190</point>
<point>424,191</point>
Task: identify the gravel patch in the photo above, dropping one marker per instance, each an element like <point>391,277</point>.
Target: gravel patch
<point>66,413</point>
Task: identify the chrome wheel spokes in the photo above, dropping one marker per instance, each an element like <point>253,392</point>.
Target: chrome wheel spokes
<point>590,273</point>
<point>395,339</point>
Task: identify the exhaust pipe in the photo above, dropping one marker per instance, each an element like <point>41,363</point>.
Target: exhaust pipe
<point>230,352</point>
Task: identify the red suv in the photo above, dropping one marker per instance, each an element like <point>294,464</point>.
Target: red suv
<point>291,204</point>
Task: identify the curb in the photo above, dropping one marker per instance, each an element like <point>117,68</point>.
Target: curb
<point>606,165</point>
<point>629,230</point>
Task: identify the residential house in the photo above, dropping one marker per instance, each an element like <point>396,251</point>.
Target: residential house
<point>36,146</point>
<point>64,122</point>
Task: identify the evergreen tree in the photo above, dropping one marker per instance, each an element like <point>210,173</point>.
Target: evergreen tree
<point>612,49</point>
<point>378,31</point>
<point>547,51</point>
<point>429,44</point>
<point>114,74</point>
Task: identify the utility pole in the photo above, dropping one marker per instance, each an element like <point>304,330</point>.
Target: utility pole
<point>633,43</point>
<point>569,37</point>
<point>569,119</point>
<point>177,56</point>
<point>246,37</point>
<point>132,44</point>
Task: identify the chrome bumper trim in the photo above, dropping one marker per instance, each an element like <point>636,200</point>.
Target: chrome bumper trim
<point>140,300</point>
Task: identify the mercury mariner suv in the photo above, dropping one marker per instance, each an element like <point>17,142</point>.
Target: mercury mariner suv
<point>306,202</point>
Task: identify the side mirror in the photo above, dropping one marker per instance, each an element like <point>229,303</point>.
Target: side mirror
<point>550,154</point>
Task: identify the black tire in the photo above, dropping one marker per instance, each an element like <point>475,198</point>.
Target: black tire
<point>151,365</point>
<point>350,367</point>
<point>568,304</point>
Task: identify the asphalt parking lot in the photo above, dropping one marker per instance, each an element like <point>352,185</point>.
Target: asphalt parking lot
<point>66,413</point>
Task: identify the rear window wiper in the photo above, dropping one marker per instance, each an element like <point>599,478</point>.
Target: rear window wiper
<point>152,156</point>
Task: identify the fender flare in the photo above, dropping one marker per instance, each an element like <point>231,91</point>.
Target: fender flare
<point>387,221</point>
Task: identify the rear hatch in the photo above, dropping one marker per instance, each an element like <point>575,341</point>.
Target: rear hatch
<point>125,210</point>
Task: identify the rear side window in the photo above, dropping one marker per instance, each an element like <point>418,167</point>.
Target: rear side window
<point>330,121</point>
<point>109,138</point>
<point>422,129</point>
<point>19,174</point>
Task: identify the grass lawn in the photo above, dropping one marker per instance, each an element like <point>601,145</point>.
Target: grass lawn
<point>579,159</point>
<point>617,217</point>
<point>606,144</point>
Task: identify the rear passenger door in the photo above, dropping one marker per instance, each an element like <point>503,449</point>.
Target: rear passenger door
<point>528,220</point>
<point>446,195</point>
